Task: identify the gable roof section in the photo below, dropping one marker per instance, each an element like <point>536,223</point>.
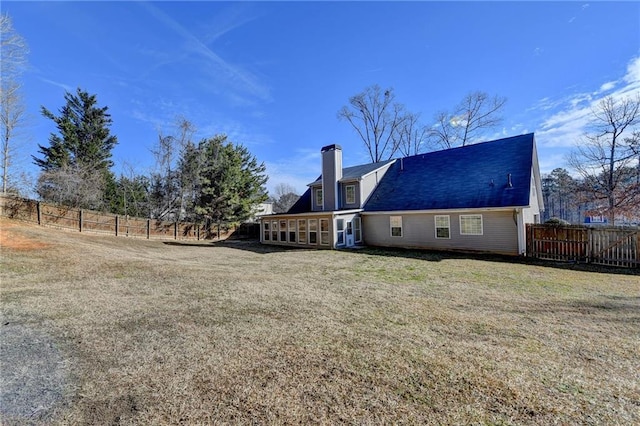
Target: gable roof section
<point>470,177</point>
<point>356,172</point>
<point>303,205</point>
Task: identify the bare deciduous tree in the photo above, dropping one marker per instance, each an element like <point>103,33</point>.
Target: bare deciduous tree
<point>75,186</point>
<point>605,157</point>
<point>412,135</point>
<point>168,193</point>
<point>475,114</point>
<point>377,118</point>
<point>13,50</point>
<point>284,197</point>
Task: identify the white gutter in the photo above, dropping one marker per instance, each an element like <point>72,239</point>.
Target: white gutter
<point>477,209</point>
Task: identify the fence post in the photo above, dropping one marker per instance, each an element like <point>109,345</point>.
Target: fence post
<point>80,218</point>
<point>148,228</point>
<point>198,231</point>
<point>175,231</point>
<point>117,223</point>
<point>592,249</point>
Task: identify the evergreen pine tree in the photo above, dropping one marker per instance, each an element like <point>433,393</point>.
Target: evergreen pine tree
<point>82,148</point>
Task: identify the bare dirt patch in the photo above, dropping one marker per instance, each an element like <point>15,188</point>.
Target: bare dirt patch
<point>234,333</point>
<point>12,238</point>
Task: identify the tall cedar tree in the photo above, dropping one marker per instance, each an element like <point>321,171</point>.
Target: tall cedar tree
<point>76,165</point>
<point>231,181</point>
<point>84,139</point>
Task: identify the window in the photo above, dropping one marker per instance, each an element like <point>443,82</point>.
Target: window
<point>324,232</point>
<point>350,194</point>
<point>313,231</point>
<point>274,231</point>
<point>340,229</point>
<point>471,224</point>
<point>283,230</point>
<point>357,230</point>
<point>292,230</point>
<point>302,231</point>
<point>443,227</point>
<point>266,232</point>
<point>396,226</point>
<point>319,199</point>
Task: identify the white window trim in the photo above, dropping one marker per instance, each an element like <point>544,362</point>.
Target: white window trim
<point>302,232</point>
<point>340,232</point>
<point>294,230</point>
<point>358,221</point>
<point>472,216</point>
<point>266,231</point>
<point>391,220</point>
<point>346,194</point>
<point>325,233</point>
<point>436,227</point>
<point>309,232</point>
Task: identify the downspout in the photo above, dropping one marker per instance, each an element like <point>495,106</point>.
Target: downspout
<point>522,233</point>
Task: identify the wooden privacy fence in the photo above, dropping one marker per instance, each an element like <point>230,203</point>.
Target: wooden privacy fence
<point>104,223</point>
<point>603,246</point>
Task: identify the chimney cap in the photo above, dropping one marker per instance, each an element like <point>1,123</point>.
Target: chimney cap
<point>331,148</point>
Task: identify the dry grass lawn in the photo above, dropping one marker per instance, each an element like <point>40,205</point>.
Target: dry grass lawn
<point>149,332</point>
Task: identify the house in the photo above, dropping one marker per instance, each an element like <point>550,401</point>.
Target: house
<point>473,198</point>
<point>261,209</point>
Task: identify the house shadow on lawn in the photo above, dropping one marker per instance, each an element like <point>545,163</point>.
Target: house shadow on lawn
<point>235,243</point>
<point>437,256</point>
<point>421,254</point>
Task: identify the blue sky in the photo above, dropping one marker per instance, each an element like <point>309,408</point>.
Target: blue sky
<point>272,75</point>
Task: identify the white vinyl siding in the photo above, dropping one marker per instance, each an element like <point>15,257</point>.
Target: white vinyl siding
<point>443,226</point>
<point>395,223</point>
<point>471,224</point>
<point>500,233</point>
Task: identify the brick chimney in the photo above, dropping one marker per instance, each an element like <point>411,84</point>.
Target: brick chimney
<point>331,174</point>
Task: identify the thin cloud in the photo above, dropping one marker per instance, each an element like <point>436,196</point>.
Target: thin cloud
<point>236,77</point>
<point>610,85</point>
<point>573,114</point>
<point>66,87</point>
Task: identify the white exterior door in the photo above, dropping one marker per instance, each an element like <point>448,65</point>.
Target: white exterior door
<point>350,239</point>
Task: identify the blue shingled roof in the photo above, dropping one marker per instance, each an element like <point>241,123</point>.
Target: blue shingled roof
<point>303,205</point>
<point>474,176</point>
